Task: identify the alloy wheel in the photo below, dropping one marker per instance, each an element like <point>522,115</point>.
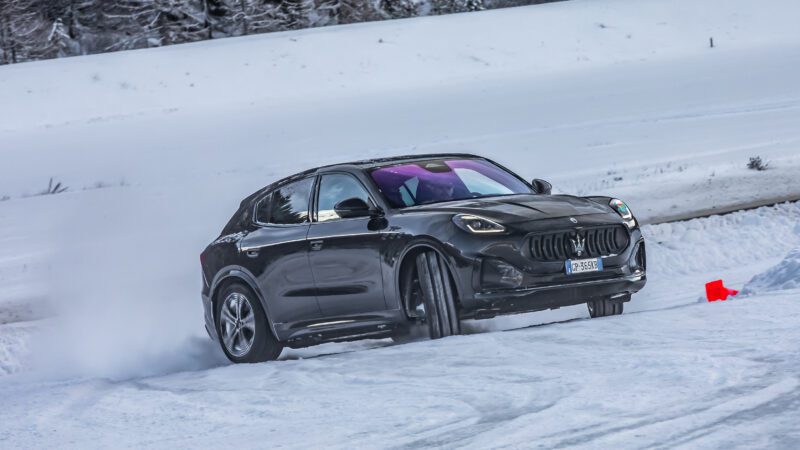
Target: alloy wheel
<point>237,324</point>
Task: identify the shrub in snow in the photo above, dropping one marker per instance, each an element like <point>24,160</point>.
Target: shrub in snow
<point>756,163</point>
<point>785,275</point>
<point>53,188</point>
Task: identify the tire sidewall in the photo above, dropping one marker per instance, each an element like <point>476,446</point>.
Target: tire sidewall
<point>439,295</point>
<point>265,345</point>
<point>604,307</point>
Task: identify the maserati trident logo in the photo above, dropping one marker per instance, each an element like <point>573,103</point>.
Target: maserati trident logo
<point>578,244</point>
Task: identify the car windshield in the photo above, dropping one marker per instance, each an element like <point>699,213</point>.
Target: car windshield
<point>443,180</point>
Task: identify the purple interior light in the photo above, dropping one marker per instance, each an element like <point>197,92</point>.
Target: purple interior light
<point>429,181</point>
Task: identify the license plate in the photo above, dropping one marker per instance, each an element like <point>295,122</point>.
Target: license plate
<point>583,265</point>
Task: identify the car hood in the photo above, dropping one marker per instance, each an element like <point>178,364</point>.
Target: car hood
<point>519,208</point>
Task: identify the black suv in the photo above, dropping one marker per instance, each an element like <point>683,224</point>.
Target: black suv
<point>376,248</point>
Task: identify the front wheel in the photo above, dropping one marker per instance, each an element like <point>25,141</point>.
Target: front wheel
<point>604,307</point>
<point>435,288</point>
<point>242,326</point>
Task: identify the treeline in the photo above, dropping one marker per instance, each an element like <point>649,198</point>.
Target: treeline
<point>42,29</point>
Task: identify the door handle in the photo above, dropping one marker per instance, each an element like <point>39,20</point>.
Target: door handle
<point>316,245</point>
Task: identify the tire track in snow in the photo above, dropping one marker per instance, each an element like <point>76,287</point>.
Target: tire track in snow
<point>694,421</point>
<point>777,406</point>
<point>463,432</point>
<point>745,109</point>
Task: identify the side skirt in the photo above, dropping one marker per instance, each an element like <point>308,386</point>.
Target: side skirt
<point>345,330</point>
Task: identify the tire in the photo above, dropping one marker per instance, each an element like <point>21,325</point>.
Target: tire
<point>438,295</point>
<point>604,307</point>
<point>250,341</point>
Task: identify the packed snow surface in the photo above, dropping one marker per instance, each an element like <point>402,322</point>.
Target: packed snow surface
<point>101,335</point>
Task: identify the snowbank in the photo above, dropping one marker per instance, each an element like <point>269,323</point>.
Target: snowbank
<point>784,275</point>
<point>732,241</point>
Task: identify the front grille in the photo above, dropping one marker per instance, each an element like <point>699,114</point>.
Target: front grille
<point>561,245</point>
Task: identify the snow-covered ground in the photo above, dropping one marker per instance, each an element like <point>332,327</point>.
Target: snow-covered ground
<point>101,334</point>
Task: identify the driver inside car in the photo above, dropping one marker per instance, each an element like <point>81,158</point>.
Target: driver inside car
<point>435,192</point>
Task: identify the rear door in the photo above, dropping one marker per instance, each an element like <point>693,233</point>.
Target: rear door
<point>344,253</point>
<point>277,253</point>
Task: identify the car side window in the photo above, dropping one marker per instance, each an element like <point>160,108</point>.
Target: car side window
<point>262,209</point>
<point>289,204</point>
<point>333,189</point>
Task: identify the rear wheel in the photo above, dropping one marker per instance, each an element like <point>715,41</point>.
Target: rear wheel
<point>604,307</point>
<point>430,290</point>
<point>242,326</point>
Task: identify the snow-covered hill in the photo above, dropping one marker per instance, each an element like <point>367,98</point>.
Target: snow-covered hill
<point>612,95</point>
<point>99,285</point>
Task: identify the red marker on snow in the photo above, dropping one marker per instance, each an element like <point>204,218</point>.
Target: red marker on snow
<point>716,291</point>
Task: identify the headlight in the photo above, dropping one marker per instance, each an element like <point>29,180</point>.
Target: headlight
<point>477,224</point>
<point>622,209</point>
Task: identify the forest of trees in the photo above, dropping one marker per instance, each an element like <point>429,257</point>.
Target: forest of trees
<point>40,29</point>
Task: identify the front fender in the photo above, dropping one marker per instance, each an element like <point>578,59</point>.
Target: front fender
<point>449,254</point>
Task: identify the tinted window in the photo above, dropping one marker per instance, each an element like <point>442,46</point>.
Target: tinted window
<point>408,191</point>
<point>445,180</point>
<point>480,183</point>
<point>333,189</point>
<point>262,210</point>
<point>289,204</point>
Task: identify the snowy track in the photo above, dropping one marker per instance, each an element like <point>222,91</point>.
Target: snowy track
<point>702,374</point>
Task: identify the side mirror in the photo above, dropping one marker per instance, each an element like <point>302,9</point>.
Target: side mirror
<point>542,187</point>
<point>353,207</point>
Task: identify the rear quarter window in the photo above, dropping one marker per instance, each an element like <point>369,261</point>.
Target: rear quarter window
<point>289,204</point>
<point>262,210</point>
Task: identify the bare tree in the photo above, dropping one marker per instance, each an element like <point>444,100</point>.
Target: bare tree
<point>40,29</point>
<point>398,9</point>
<point>22,28</point>
<point>294,14</point>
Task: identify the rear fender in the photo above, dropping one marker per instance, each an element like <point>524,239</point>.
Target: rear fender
<point>240,274</point>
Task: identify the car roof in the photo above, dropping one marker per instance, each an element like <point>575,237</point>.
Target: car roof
<point>363,164</point>
<point>378,162</point>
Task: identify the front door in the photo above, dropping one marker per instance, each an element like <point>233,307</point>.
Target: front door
<point>345,253</point>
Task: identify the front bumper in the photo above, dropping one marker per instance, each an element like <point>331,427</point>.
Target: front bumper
<point>489,304</point>
<point>543,285</point>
